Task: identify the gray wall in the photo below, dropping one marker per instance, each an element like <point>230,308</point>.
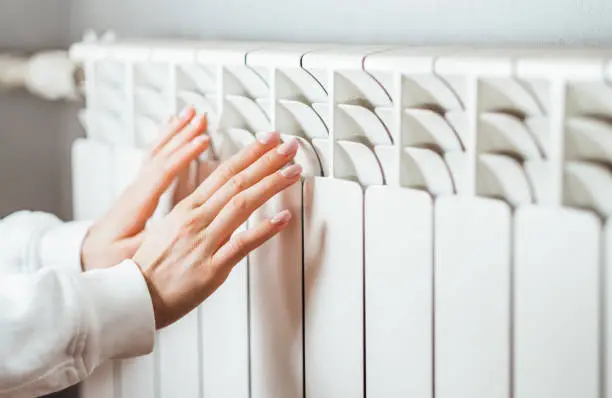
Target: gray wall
<point>33,168</point>
<point>33,24</point>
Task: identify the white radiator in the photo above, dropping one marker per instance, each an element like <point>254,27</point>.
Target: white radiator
<point>453,240</point>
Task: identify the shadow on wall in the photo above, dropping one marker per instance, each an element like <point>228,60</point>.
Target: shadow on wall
<point>72,392</point>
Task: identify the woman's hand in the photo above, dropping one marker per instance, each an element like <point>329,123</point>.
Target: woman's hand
<point>117,235</point>
<point>187,255</point>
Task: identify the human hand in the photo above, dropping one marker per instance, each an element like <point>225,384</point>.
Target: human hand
<point>117,235</point>
<point>187,255</point>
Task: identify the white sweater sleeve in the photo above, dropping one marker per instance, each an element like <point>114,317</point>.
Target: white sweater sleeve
<point>56,326</point>
<point>30,241</point>
<point>57,323</point>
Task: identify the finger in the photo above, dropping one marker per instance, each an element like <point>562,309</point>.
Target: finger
<point>205,169</point>
<point>233,166</point>
<point>173,127</point>
<point>196,127</point>
<point>142,198</point>
<point>179,160</point>
<point>271,162</point>
<point>185,182</point>
<point>244,242</point>
<point>241,206</point>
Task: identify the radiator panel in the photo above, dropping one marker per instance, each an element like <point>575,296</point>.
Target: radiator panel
<point>450,235</point>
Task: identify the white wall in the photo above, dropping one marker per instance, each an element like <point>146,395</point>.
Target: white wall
<point>392,21</point>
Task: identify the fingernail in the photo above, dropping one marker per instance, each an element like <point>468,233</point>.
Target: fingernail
<point>291,171</point>
<point>185,112</point>
<point>281,218</point>
<point>197,119</point>
<point>266,138</point>
<point>288,147</point>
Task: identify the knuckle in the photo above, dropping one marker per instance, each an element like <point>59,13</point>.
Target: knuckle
<point>239,204</point>
<point>184,205</point>
<point>239,243</point>
<point>273,184</point>
<point>189,224</point>
<point>274,180</point>
<point>229,170</point>
<point>187,228</point>
<point>238,183</point>
<point>269,160</point>
<point>222,174</point>
<point>205,237</point>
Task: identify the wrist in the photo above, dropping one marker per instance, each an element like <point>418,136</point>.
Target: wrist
<point>156,301</point>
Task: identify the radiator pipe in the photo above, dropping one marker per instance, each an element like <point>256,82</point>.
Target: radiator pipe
<point>51,75</point>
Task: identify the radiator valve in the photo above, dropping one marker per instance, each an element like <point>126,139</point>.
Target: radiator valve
<point>49,74</point>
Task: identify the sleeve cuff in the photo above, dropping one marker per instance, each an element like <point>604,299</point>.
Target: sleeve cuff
<point>60,246</point>
<point>119,318</point>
